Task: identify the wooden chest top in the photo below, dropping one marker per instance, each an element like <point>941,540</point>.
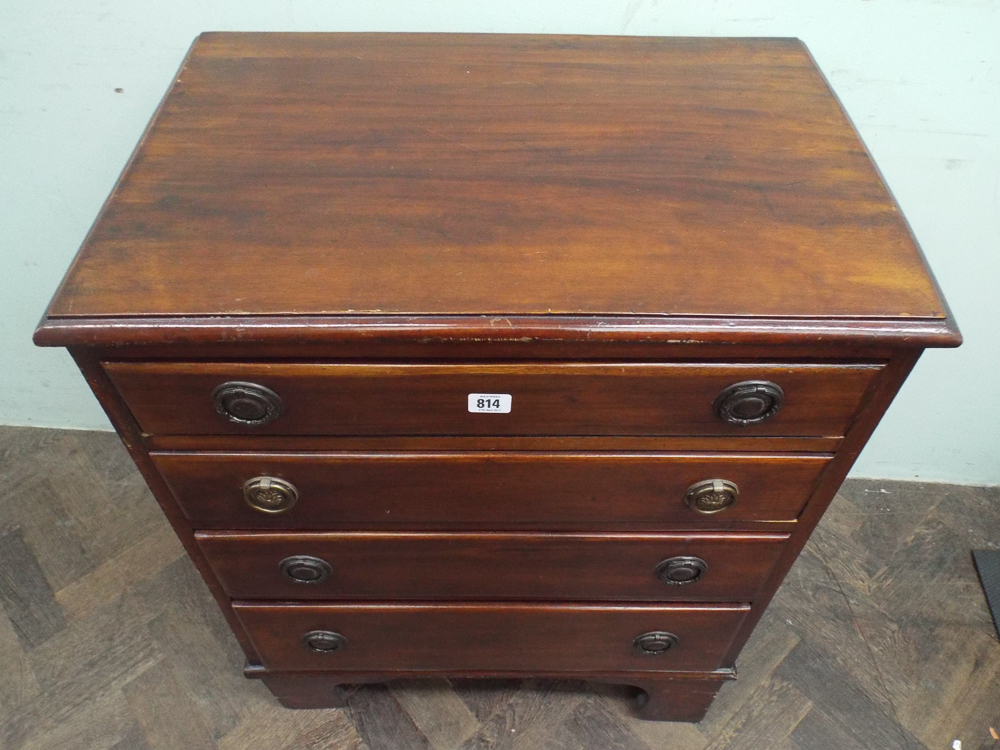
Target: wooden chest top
<point>457,175</point>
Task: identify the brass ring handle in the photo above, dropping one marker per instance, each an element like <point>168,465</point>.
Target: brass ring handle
<point>324,641</point>
<point>270,494</point>
<point>711,495</point>
<point>247,404</point>
<point>748,403</point>
<point>682,570</point>
<point>655,643</point>
<point>305,569</point>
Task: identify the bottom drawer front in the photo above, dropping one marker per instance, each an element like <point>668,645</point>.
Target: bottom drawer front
<point>552,567</point>
<point>490,637</point>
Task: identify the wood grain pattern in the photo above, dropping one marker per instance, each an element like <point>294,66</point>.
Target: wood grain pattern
<point>479,174</point>
<point>611,230</point>
<point>25,594</point>
<point>502,444</point>
<point>550,399</point>
<point>884,598</point>
<point>508,337</point>
<point>490,637</point>
<point>582,567</point>
<point>553,491</point>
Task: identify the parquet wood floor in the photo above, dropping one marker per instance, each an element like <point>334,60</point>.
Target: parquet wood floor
<point>879,639</point>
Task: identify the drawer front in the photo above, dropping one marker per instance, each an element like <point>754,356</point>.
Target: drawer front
<point>486,491</point>
<point>571,399</point>
<point>595,567</point>
<point>490,637</point>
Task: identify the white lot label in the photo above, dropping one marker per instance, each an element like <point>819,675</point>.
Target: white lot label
<point>489,403</point>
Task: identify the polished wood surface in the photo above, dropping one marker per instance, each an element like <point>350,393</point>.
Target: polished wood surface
<point>501,444</point>
<point>614,231</point>
<point>500,175</point>
<point>430,566</point>
<point>484,637</point>
<point>549,399</point>
<point>488,490</point>
<point>490,337</point>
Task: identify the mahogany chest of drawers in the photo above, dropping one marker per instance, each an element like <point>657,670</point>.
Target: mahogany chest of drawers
<point>467,355</point>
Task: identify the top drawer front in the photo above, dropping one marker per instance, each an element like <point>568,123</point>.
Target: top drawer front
<point>546,399</point>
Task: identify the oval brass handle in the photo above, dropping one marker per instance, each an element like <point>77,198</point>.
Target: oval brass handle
<point>655,643</point>
<point>269,494</point>
<point>749,402</point>
<point>682,570</point>
<point>711,495</point>
<point>324,641</point>
<point>305,569</point>
<point>247,403</point>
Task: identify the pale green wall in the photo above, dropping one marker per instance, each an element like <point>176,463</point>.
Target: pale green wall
<point>921,78</point>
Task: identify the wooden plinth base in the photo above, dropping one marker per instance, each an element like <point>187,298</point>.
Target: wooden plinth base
<point>662,697</point>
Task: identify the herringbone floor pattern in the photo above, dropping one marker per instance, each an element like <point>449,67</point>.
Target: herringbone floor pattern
<point>880,638</point>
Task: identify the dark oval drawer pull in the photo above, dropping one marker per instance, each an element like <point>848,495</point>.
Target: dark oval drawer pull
<point>324,641</point>
<point>247,403</point>
<point>679,571</point>
<point>305,569</point>
<point>655,643</point>
<point>711,495</point>
<point>749,402</point>
<point>270,494</point>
